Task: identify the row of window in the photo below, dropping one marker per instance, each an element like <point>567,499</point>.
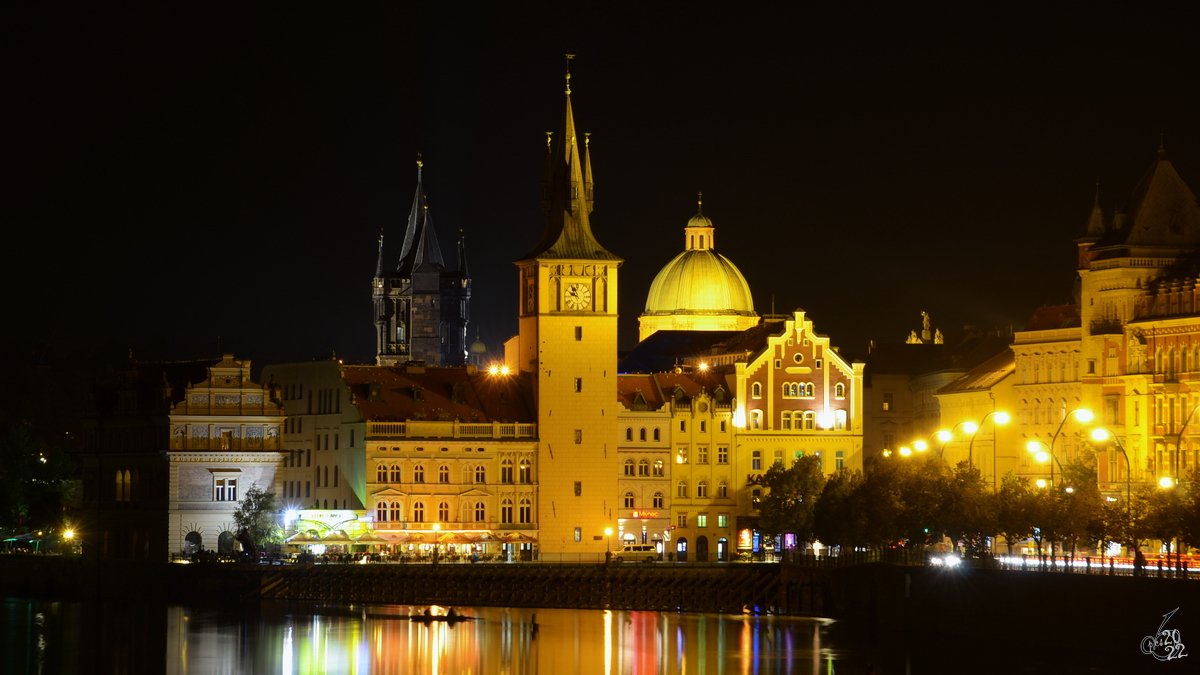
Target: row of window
<point>643,468</point>
<point>383,448</point>
<point>681,455</point>
<point>291,489</point>
<point>393,512</point>
<point>325,473</point>
<point>756,458</point>
<point>702,520</point>
<point>802,420</point>
<point>798,390</point>
<point>394,474</point>
<point>681,490</point>
<point>641,434</point>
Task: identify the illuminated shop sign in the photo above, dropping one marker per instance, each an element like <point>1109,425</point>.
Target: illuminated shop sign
<point>745,539</point>
<point>644,514</point>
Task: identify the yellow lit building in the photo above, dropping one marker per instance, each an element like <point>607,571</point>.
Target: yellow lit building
<point>699,289</point>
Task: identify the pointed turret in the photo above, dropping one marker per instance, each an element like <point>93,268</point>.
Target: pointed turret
<point>587,170</point>
<point>568,232</point>
<point>1095,226</point>
<point>420,239</point>
<point>462,255</point>
<point>1161,211</point>
<point>379,260</point>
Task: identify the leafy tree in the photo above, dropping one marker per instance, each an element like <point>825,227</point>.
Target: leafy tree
<point>969,508</point>
<point>35,480</point>
<point>257,518</point>
<point>1014,519</point>
<point>1081,512</point>
<point>791,497</point>
<point>880,499</point>
<point>839,518</point>
<point>924,483</point>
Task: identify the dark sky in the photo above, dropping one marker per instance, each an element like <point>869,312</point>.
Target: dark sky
<point>179,174</point>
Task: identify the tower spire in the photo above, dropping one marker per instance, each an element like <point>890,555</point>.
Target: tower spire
<point>567,201</point>
<point>420,239</point>
<point>379,260</point>
<point>462,254</point>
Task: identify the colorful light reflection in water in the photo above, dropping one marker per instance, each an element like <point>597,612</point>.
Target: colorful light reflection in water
<point>381,639</point>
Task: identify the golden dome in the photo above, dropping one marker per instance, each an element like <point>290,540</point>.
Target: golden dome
<point>700,282</point>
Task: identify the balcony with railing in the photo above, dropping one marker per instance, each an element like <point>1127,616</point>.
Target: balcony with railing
<point>430,429</point>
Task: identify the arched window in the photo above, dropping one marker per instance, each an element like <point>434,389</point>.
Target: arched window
<point>418,474</point>
<point>629,467</point>
<point>756,390</point>
<point>787,389</point>
<point>381,512</point>
<point>381,474</point>
<point>643,468</point>
<point>658,469</point>
<point>756,419</point>
<point>526,512</point>
<point>335,476</point>
<point>628,500</point>
<point>397,512</point>
<point>787,420</point>
<point>506,511</point>
<point>839,390</point>
<point>808,390</point>
<point>419,512</point>
<point>756,460</point>
<point>480,512</point>
<point>480,474</point>
<point>681,489</point>
<point>658,500</point>
<point>702,489</point>
<point>395,473</point>
<point>506,471</point>
<point>526,471</point>
<point>629,433</point>
<point>443,511</point>
<point>722,490</point>
<point>656,436</point>
<point>839,419</point>
<point>810,419</point>
<point>443,475</point>
<point>642,434</point>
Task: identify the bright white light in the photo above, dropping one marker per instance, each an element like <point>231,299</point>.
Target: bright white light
<point>905,451</point>
<point>1001,418</point>
<point>503,370</point>
<point>952,561</point>
<point>290,515</point>
<point>1165,481</point>
<point>970,427</point>
<point>1084,415</point>
<point>1100,434</point>
<point>1070,490</point>
<point>1041,482</point>
<point>1034,446</point>
<point>921,446</point>
<point>494,370</point>
<point>1043,456</point>
<point>739,418</point>
<point>944,436</point>
<point>703,366</point>
<point>824,419</point>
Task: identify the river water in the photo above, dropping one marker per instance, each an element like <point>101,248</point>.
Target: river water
<point>282,637</point>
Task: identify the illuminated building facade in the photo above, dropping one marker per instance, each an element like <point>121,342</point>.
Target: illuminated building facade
<point>699,289</point>
<point>225,437</point>
<point>421,306</point>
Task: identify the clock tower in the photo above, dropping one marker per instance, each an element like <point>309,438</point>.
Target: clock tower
<point>568,341</point>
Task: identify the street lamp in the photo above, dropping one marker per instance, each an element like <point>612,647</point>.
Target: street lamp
<point>437,527</point>
<point>1179,444</point>
<point>1044,455</point>
<point>998,417</point>
<point>1082,414</point>
<point>1104,435</point>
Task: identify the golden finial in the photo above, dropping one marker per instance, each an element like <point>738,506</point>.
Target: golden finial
<point>587,138</point>
<point>700,198</point>
<point>569,57</point>
<point>548,135</point>
<point>420,164</point>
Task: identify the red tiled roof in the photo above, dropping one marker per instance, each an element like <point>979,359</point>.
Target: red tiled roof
<point>483,397</point>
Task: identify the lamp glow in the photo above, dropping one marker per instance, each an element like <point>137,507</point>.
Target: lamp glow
<point>69,534</point>
<point>1001,418</point>
<point>1034,446</point>
<point>1043,456</point>
<point>944,436</point>
<point>905,451</point>
<point>824,419</point>
<point>970,427</point>
<point>703,366</point>
<point>1100,434</point>
<point>1041,482</point>
<point>1084,416</point>
<point>1165,482</point>
<point>739,418</point>
<point>494,370</point>
<point>921,446</point>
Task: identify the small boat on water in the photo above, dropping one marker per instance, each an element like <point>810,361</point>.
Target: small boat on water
<point>423,618</point>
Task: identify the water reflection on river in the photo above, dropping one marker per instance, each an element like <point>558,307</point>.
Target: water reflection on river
<point>304,638</point>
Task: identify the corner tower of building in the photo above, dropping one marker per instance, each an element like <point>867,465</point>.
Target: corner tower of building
<point>568,340</point>
<point>699,289</point>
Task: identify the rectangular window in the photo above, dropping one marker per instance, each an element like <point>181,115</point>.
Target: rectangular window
<point>225,489</point>
<point>682,425</point>
<point>840,459</point>
<point>578,384</point>
<point>681,457</point>
<point>578,337</point>
<point>722,455</point>
<point>579,435</point>
<point>702,455</point>
<point>818,362</point>
<point>722,520</point>
<point>778,363</point>
<point>578,489</point>
<point>307,488</point>
<point>351,436</point>
<point>889,401</point>
<point>702,520</point>
<point>578,530</point>
<point>702,426</point>
<point>722,426</point>
<point>1137,412</point>
<point>336,439</point>
<point>889,441</point>
<point>682,520</point>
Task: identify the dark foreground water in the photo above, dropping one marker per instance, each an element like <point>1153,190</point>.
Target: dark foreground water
<point>291,637</point>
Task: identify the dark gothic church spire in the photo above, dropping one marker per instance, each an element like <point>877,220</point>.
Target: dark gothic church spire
<point>567,197</point>
<point>420,239</point>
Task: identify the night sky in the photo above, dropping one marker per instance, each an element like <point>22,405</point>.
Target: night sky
<point>179,174</point>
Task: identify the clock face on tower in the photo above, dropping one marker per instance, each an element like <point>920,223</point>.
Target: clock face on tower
<point>577,296</point>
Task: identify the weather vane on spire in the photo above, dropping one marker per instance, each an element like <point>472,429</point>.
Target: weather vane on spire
<point>569,57</point>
